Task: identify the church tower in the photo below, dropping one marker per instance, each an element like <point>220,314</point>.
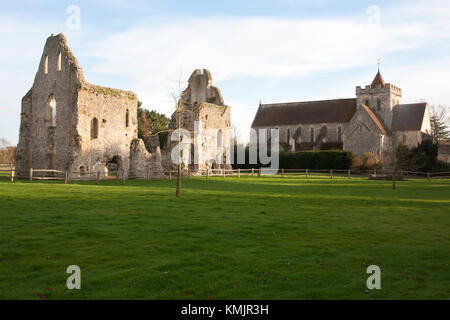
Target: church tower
<point>381,97</point>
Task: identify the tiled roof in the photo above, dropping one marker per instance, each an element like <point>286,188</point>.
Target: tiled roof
<point>378,81</point>
<point>375,119</point>
<point>309,112</point>
<point>408,117</point>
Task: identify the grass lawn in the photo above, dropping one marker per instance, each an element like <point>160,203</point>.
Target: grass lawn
<point>248,238</point>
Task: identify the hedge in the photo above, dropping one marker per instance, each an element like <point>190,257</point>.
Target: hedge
<point>337,160</point>
<point>324,160</point>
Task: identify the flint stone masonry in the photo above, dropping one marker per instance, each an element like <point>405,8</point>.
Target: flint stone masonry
<point>363,124</point>
<point>69,124</point>
<point>204,103</point>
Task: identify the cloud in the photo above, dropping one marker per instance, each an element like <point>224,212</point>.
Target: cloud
<point>231,47</point>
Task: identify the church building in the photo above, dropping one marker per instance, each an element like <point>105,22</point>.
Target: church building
<point>362,124</point>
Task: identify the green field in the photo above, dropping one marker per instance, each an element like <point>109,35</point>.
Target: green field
<point>248,238</point>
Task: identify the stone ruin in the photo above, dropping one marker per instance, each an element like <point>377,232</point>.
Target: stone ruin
<point>203,103</point>
<point>70,124</point>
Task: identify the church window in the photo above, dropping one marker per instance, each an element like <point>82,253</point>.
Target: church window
<point>312,135</point>
<point>339,133</point>
<point>404,139</point>
<point>94,129</point>
<point>288,136</point>
<point>378,105</point>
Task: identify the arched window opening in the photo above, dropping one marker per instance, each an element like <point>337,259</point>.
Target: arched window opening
<point>46,65</point>
<point>404,139</point>
<point>82,170</point>
<point>127,118</point>
<point>312,135</point>
<point>59,61</point>
<point>219,139</point>
<point>339,134</point>
<point>378,105</point>
<point>288,135</point>
<point>94,129</point>
<point>51,111</point>
<point>367,103</point>
<point>298,134</point>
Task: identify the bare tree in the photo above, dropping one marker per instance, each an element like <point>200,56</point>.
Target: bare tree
<point>6,152</point>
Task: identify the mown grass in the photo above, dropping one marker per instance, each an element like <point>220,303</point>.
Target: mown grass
<point>248,238</point>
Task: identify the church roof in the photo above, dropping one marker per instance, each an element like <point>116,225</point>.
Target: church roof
<point>408,117</point>
<point>308,112</point>
<point>378,81</point>
<point>375,119</point>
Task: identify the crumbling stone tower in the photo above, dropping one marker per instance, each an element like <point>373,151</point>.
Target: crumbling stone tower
<point>69,124</point>
<point>202,103</point>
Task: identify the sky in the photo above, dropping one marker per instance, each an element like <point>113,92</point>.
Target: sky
<point>257,50</point>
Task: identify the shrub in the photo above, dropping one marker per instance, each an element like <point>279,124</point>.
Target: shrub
<point>338,160</point>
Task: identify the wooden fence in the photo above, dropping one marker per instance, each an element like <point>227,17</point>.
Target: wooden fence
<point>8,171</point>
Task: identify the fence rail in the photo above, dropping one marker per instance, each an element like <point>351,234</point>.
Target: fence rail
<point>8,171</point>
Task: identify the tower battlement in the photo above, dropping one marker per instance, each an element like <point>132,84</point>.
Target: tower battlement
<point>369,90</point>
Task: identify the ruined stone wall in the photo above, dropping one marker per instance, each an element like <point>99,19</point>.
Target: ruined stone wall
<point>143,164</point>
<point>44,143</point>
<point>114,137</point>
<point>58,130</point>
<point>202,103</point>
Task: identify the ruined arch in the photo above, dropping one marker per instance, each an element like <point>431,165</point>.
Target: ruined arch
<point>51,111</point>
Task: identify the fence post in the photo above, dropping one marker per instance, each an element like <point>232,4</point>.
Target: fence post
<point>253,172</point>
<point>282,173</point>
<point>224,171</point>
<point>170,174</point>
<point>123,176</point>
<point>239,173</point>
<point>98,177</point>
<point>259,172</point>
<point>428,175</point>
<point>66,176</point>
<point>207,173</point>
<point>307,174</point>
<point>349,174</point>
<point>189,174</point>
<point>12,174</point>
<point>148,175</point>
<point>31,174</point>
<point>331,173</point>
